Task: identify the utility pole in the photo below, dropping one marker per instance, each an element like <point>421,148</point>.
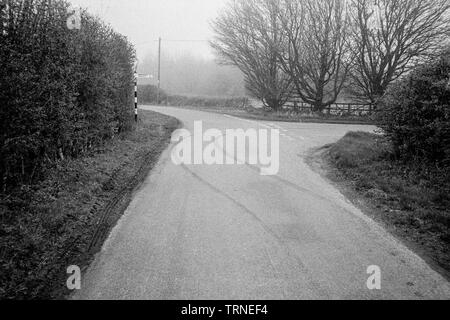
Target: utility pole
<point>159,71</point>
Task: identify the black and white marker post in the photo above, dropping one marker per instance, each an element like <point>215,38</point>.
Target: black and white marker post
<point>136,79</point>
<point>136,97</point>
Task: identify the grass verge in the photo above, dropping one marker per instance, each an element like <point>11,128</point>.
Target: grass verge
<point>65,219</point>
<point>411,200</point>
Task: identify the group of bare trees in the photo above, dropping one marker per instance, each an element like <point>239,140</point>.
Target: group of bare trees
<point>315,48</point>
<point>249,36</point>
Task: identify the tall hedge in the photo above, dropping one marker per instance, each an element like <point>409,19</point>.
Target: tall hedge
<point>415,113</point>
<point>62,91</point>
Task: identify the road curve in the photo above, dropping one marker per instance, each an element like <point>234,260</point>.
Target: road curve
<point>226,232</point>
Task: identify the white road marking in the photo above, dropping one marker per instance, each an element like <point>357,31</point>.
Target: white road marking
<point>268,126</point>
<point>248,121</point>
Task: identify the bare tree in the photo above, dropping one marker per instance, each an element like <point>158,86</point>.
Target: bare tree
<point>248,35</point>
<point>317,58</point>
<point>391,36</point>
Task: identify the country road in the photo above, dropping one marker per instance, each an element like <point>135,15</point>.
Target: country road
<point>226,232</point>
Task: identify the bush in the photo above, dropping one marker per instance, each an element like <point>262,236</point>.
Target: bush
<point>62,92</point>
<point>207,102</point>
<point>415,113</point>
<point>149,94</point>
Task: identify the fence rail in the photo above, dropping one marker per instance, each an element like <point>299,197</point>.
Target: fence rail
<point>336,109</point>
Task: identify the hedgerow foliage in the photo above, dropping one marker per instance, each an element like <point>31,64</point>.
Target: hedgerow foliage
<point>148,94</point>
<point>62,91</point>
<point>415,113</point>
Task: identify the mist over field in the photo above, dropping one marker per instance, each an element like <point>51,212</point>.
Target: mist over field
<point>193,75</point>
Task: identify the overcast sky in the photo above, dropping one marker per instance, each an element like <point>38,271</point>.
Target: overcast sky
<point>143,21</point>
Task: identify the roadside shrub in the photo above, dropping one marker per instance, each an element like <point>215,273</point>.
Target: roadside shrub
<point>222,103</point>
<point>415,113</point>
<point>149,94</point>
<point>62,92</point>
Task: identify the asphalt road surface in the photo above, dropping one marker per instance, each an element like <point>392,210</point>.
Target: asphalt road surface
<point>226,232</point>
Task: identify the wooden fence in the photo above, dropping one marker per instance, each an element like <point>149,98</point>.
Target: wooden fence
<point>336,109</point>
